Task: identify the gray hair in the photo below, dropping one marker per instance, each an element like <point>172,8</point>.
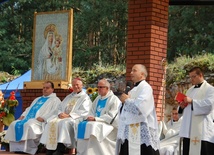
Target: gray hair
<point>107,84</point>
<point>143,70</point>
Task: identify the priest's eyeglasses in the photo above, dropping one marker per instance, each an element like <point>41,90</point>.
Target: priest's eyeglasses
<point>101,87</point>
<point>193,76</point>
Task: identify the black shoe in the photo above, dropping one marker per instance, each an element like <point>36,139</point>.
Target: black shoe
<point>57,153</point>
<point>49,152</point>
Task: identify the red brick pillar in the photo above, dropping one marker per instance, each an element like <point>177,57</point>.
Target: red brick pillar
<point>147,42</point>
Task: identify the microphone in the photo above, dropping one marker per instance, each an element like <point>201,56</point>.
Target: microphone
<point>128,88</point>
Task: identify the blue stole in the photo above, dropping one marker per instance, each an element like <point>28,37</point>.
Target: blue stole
<point>82,125</point>
<point>19,126</point>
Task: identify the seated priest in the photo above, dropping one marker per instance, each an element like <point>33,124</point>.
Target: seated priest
<point>97,134</point>
<point>169,145</point>
<point>24,134</point>
<point>60,130</point>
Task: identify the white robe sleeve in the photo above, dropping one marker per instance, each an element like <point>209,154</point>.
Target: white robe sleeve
<point>206,105</point>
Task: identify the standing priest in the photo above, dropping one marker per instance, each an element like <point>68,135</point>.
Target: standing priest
<point>138,126</point>
<point>197,128</point>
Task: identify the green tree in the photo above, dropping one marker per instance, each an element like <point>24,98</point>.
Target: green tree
<point>99,31</point>
<point>191,31</point>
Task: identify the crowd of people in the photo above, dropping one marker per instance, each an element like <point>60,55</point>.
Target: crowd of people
<point>116,125</point>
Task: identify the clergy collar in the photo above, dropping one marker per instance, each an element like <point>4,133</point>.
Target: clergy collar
<point>107,95</point>
<point>77,92</point>
<point>137,83</point>
<point>198,85</point>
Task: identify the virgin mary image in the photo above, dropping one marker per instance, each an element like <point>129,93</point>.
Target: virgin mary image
<point>47,66</point>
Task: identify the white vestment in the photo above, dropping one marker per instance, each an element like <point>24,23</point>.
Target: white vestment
<point>33,129</point>
<point>100,135</point>
<point>202,106</point>
<point>170,144</point>
<point>139,108</point>
<point>64,130</point>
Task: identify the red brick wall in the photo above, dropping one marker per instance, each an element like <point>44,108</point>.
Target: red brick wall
<point>28,95</point>
<point>147,42</point>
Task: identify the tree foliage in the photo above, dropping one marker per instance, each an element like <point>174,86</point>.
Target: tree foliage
<point>179,69</point>
<point>191,31</point>
<point>99,34</point>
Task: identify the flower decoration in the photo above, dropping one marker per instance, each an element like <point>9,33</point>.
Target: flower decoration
<point>3,142</point>
<point>92,92</point>
<point>70,88</point>
<point>7,108</point>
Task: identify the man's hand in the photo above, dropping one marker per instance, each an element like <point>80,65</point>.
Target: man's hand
<point>90,118</point>
<point>123,97</point>
<point>187,100</point>
<point>63,115</point>
<point>183,104</point>
<point>40,119</point>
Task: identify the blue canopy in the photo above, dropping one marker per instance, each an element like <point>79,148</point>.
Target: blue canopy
<point>17,83</point>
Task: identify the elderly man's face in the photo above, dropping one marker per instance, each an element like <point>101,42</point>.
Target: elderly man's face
<point>102,88</point>
<point>136,74</point>
<point>77,85</point>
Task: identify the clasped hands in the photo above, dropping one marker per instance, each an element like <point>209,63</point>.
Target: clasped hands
<point>90,118</point>
<point>63,115</point>
<point>40,119</point>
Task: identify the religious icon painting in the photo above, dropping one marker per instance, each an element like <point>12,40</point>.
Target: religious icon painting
<point>52,46</point>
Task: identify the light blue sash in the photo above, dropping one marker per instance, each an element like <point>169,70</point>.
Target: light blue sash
<point>100,105</point>
<point>19,127</point>
<point>81,129</point>
<point>82,125</point>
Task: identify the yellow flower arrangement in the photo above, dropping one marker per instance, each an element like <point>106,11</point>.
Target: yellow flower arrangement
<point>92,92</point>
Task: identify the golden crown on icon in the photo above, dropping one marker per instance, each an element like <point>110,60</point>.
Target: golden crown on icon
<point>50,28</point>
